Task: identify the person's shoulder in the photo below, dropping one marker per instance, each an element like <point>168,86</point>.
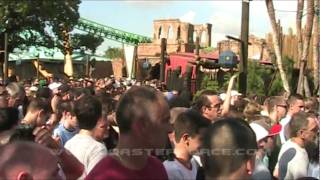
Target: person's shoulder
<point>99,171</point>
<point>170,164</point>
<point>154,161</point>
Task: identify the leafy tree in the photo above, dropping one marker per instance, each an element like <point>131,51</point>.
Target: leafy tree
<point>37,23</point>
<point>89,41</point>
<point>114,52</point>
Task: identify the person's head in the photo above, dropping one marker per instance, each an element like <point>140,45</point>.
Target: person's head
<point>265,133</point>
<point>63,91</point>
<point>208,104</point>
<point>38,112</point>
<point>303,126</point>
<point>311,105</point>
<point>174,113</point>
<point>251,110</point>
<point>189,129</point>
<point>277,107</point>
<point>8,118</point>
<point>88,111</point>
<point>44,92</point>
<point>143,114</point>
<point>229,149</point>
<point>27,160</point>
<point>68,113</point>
<point>16,94</point>
<point>101,130</point>
<point>296,104</point>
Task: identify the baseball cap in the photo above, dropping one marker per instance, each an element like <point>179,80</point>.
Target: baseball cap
<point>260,131</point>
<point>54,85</point>
<point>275,130</point>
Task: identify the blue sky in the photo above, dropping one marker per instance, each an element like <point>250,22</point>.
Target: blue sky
<point>225,16</point>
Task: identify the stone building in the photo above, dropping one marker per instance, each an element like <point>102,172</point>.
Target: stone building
<point>258,49</point>
<point>180,37</point>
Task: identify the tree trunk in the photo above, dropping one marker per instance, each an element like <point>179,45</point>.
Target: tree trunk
<point>68,68</point>
<point>315,48</point>
<point>306,42</point>
<point>276,43</point>
<point>298,27</point>
<point>306,87</point>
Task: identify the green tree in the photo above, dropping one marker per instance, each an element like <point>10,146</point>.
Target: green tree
<point>37,23</point>
<point>114,52</point>
<point>89,41</point>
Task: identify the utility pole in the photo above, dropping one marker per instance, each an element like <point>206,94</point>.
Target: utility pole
<point>244,47</point>
<point>199,74</point>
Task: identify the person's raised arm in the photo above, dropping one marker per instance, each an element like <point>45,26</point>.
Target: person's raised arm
<point>227,101</point>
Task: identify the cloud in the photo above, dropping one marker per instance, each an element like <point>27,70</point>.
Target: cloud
<point>188,17</point>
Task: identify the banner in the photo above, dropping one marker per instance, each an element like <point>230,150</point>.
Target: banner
<point>130,54</point>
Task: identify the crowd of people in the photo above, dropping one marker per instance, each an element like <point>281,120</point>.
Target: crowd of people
<point>125,129</point>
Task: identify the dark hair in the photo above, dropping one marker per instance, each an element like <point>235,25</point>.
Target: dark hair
<point>23,132</point>
<point>108,104</point>
<point>8,118</point>
<point>230,134</point>
<point>178,101</point>
<point>88,111</point>
<point>67,106</point>
<point>189,122</point>
<point>312,149</point>
<point>203,100</point>
<point>298,121</point>
<point>40,103</point>
<point>44,92</point>
<point>133,105</point>
<point>293,98</point>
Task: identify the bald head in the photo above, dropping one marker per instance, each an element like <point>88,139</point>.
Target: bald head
<point>27,160</point>
<point>232,144</point>
<point>140,103</point>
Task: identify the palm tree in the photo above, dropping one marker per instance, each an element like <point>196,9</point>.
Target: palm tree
<point>315,47</point>
<point>306,42</point>
<point>298,27</point>
<point>276,42</point>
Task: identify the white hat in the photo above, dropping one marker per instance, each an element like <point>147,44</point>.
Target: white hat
<point>259,130</point>
<point>33,88</point>
<point>54,85</point>
<point>233,93</point>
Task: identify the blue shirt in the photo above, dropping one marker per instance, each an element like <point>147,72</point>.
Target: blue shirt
<point>63,133</point>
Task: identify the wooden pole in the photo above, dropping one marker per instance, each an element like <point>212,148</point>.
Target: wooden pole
<point>244,48</point>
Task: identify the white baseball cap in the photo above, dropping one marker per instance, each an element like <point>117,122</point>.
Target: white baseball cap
<point>260,131</point>
<point>54,85</point>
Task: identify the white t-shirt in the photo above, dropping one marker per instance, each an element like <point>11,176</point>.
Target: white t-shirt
<point>176,170</point>
<point>292,161</point>
<point>87,150</point>
<point>284,123</point>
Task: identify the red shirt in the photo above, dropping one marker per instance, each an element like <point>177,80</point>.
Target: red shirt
<point>109,168</point>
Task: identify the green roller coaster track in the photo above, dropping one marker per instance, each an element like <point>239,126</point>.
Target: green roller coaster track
<point>110,33</point>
